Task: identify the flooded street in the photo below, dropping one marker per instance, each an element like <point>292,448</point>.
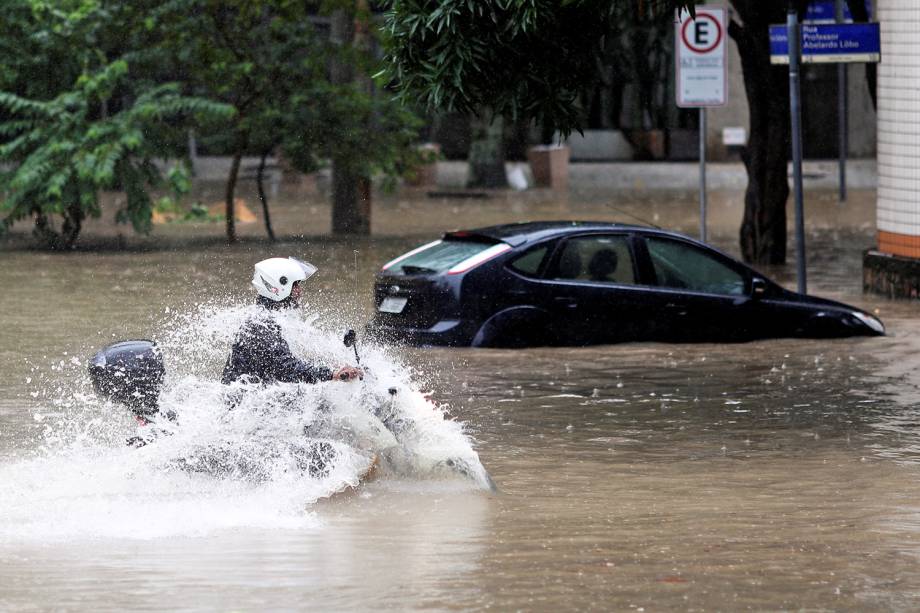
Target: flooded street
<point>779,474</point>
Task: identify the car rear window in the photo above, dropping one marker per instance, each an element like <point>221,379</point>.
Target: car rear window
<point>439,256</point>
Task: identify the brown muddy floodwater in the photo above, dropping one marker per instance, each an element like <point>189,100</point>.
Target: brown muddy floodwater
<point>771,475</point>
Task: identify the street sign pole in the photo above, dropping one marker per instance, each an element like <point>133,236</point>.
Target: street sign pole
<point>703,173</point>
<point>701,74</point>
<point>817,43</point>
<point>795,109</point>
<point>842,119</point>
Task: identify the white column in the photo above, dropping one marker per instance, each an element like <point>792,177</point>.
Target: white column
<point>898,211</point>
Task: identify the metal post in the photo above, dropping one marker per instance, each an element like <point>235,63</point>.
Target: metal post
<point>842,120</point>
<point>703,174</point>
<point>795,109</point>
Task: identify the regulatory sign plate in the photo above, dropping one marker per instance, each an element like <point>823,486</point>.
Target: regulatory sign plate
<point>700,57</point>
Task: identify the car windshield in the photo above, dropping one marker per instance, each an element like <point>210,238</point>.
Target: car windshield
<point>436,257</point>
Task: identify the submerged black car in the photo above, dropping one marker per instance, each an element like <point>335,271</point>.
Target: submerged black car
<point>580,283</point>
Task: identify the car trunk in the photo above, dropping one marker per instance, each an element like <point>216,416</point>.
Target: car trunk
<point>426,301</point>
<point>418,289</point>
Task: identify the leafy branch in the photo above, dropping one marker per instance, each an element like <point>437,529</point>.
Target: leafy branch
<point>62,152</point>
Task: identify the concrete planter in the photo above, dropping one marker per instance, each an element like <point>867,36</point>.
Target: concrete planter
<point>893,276</point>
<point>549,165</point>
<point>649,144</point>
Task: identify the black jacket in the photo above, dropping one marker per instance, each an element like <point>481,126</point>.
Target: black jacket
<point>261,354</point>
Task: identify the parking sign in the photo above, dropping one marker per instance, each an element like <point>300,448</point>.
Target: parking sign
<point>700,57</point>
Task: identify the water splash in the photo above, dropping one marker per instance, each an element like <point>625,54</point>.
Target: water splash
<point>227,456</point>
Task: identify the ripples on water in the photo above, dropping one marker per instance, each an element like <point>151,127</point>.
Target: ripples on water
<point>656,397</point>
<point>770,475</point>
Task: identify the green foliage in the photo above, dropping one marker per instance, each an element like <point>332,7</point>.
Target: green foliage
<point>268,61</point>
<point>93,91</point>
<point>375,134</point>
<point>526,58</point>
<point>61,153</point>
<point>638,54</point>
<point>172,211</point>
<point>199,212</point>
<point>76,120</point>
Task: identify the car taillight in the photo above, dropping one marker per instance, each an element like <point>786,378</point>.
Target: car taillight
<point>483,256</point>
<point>411,253</point>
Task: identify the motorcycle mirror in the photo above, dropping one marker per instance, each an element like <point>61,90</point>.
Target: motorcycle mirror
<point>350,338</point>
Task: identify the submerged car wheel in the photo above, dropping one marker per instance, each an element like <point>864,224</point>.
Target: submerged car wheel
<point>516,328</point>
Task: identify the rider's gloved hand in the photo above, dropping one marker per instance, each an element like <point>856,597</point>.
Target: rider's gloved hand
<point>348,373</point>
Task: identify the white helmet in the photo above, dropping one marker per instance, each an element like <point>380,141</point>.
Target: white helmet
<point>275,277</point>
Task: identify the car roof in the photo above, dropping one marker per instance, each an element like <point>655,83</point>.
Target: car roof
<point>525,232</point>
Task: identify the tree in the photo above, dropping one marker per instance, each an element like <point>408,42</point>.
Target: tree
<point>250,55</point>
<point>61,158</point>
<point>362,129</point>
<point>516,57</point>
<point>351,189</point>
<point>266,59</point>
<point>763,227</point>
<point>487,152</point>
<point>532,57</point>
<point>71,124</point>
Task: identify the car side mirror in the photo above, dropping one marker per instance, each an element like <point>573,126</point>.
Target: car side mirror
<point>758,288</point>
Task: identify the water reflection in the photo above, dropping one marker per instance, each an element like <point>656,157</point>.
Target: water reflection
<point>369,548</point>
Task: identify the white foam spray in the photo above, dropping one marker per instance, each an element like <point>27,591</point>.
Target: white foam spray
<point>234,456</point>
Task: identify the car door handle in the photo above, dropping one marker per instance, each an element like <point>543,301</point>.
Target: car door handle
<point>681,309</point>
<point>566,301</point>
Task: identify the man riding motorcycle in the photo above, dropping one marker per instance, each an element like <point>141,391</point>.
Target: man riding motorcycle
<point>260,354</point>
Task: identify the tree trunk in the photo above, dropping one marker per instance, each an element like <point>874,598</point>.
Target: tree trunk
<point>547,133</point>
<point>350,213</point>
<point>260,175</point>
<point>231,189</point>
<point>351,206</point>
<point>45,233</point>
<point>487,153</point>
<point>73,223</point>
<point>763,228</point>
<point>43,230</point>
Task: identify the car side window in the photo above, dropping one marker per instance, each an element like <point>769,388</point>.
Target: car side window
<point>596,259</point>
<point>529,263</point>
<point>683,266</point>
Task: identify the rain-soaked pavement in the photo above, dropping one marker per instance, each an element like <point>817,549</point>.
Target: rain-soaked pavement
<point>772,475</point>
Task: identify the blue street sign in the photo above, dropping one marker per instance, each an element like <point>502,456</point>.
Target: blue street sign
<point>829,42</point>
<point>823,11</point>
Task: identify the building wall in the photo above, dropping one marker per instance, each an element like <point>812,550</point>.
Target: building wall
<point>735,111</point>
<point>603,143</point>
<point>861,116</point>
<point>898,204</point>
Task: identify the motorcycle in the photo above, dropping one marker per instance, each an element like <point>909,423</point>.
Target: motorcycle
<point>396,429</point>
